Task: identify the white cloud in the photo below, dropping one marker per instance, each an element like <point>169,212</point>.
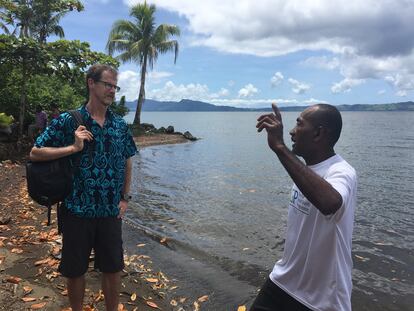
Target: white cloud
<point>248,91</point>
<point>345,85</point>
<point>368,39</point>
<point>195,91</point>
<point>298,87</point>
<point>381,92</point>
<point>276,79</point>
<point>401,93</point>
<point>323,62</point>
<point>129,81</point>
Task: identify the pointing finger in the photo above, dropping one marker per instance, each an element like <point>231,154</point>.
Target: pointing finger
<point>276,111</point>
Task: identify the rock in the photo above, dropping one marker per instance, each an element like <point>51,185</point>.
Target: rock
<point>147,126</point>
<point>170,129</point>
<point>189,136</point>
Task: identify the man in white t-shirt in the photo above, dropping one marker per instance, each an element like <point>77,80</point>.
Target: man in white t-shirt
<point>315,270</point>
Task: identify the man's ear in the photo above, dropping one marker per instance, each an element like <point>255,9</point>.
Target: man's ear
<point>320,133</point>
<point>90,82</point>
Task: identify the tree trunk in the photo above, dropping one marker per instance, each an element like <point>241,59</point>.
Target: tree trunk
<point>23,99</point>
<point>141,96</point>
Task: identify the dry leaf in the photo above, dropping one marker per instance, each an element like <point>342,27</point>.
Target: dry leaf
<point>27,290</point>
<point>13,279</point>
<point>29,299</point>
<point>196,306</point>
<point>203,298</point>
<point>121,307</point>
<point>152,305</point>
<point>163,240</point>
<point>133,297</point>
<point>17,250</point>
<point>241,308</point>
<point>141,245</point>
<point>38,306</point>
<point>173,303</point>
<point>152,280</point>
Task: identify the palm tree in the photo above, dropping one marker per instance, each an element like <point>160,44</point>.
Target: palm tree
<point>141,41</point>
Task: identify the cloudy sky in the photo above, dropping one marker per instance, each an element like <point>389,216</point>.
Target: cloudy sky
<point>249,53</point>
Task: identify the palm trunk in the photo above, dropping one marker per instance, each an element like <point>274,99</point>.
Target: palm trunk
<point>141,96</point>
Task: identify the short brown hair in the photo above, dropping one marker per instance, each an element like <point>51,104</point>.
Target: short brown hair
<point>95,73</point>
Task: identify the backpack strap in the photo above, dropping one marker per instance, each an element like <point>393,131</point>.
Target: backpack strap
<point>77,116</point>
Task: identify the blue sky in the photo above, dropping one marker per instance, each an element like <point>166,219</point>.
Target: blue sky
<point>249,53</point>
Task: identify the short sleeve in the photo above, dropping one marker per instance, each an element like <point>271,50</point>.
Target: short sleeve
<point>130,146</point>
<point>343,180</point>
<point>56,134</point>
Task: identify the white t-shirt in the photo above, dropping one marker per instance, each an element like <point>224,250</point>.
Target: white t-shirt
<point>317,261</point>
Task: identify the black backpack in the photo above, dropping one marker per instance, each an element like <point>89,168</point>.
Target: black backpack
<point>50,182</point>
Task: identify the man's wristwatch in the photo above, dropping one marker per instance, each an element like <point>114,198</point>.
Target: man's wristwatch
<point>125,197</point>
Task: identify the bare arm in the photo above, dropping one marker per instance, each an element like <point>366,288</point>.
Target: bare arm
<point>53,153</point>
<point>127,184</point>
<point>128,175</point>
<point>316,189</point>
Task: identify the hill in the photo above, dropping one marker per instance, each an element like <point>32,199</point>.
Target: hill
<point>192,105</point>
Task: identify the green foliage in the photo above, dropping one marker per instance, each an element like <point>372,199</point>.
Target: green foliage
<point>5,120</point>
<point>120,108</point>
<point>37,19</point>
<point>52,73</point>
<point>141,41</point>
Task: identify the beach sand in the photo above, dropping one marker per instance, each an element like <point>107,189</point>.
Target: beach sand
<point>30,250</point>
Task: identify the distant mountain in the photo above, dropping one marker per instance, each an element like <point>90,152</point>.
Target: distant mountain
<point>192,105</point>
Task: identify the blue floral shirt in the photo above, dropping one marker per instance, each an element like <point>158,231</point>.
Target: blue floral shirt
<point>99,181</point>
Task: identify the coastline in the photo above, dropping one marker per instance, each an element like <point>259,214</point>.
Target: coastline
<point>29,252</point>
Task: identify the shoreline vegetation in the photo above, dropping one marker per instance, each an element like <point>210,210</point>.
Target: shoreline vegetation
<point>30,252</point>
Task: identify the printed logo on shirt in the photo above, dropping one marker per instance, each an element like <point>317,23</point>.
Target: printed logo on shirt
<point>299,202</point>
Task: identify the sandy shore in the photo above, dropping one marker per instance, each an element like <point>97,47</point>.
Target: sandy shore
<point>159,139</point>
<point>30,250</point>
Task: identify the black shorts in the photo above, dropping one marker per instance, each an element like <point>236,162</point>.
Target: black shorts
<point>272,298</point>
<point>80,235</point>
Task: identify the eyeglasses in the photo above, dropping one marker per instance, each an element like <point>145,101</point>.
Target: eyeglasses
<point>110,86</point>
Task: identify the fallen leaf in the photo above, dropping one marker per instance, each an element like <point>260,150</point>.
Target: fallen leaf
<point>241,308</point>
<point>203,298</point>
<point>152,280</point>
<point>133,297</point>
<point>13,279</point>
<point>196,306</point>
<point>29,299</point>
<point>17,250</point>
<point>121,307</point>
<point>173,303</point>
<point>38,306</point>
<point>141,245</point>
<point>152,305</point>
<point>246,248</point>
<point>163,240</point>
<point>27,290</point>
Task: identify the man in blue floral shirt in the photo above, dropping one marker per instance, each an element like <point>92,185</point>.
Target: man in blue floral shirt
<point>101,186</point>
